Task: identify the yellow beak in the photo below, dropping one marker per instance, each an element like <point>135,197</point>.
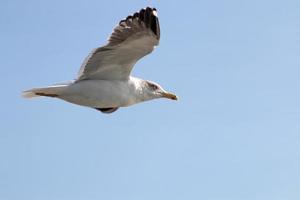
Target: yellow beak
<point>169,95</point>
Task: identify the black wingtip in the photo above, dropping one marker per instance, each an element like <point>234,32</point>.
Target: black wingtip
<point>107,110</point>
<point>129,17</point>
<point>149,17</point>
<point>141,14</point>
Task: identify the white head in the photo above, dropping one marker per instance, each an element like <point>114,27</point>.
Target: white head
<point>152,90</point>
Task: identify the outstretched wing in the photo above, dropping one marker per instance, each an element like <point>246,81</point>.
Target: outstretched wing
<point>134,37</point>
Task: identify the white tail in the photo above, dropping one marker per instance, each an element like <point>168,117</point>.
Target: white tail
<point>50,91</point>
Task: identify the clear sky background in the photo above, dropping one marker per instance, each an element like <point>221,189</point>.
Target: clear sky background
<point>234,133</point>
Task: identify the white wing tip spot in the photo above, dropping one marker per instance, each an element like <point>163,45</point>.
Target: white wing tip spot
<point>154,13</point>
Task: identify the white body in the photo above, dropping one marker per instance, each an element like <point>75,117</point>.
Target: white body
<point>97,93</point>
<point>103,93</point>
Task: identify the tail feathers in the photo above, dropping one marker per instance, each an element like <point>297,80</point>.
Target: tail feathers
<point>51,91</point>
<point>29,94</point>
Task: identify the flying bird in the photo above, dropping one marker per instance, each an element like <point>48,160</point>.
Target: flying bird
<point>104,80</point>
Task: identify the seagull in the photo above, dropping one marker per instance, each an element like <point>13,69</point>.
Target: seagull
<point>103,81</point>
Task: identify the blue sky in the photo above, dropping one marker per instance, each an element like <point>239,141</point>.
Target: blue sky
<point>233,134</point>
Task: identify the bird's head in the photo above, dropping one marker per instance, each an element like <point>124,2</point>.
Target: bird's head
<point>153,91</point>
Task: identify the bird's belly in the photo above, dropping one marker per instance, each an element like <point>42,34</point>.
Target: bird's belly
<point>98,93</point>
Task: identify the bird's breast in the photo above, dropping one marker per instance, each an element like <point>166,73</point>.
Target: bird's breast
<point>101,93</point>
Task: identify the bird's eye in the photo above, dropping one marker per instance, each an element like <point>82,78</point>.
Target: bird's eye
<point>152,86</point>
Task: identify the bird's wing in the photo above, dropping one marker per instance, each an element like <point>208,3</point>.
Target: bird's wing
<point>134,37</point>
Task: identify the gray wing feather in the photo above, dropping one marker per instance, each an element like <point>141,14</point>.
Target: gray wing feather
<point>134,37</point>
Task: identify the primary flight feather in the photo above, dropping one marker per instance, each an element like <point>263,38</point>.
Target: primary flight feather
<point>104,80</point>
